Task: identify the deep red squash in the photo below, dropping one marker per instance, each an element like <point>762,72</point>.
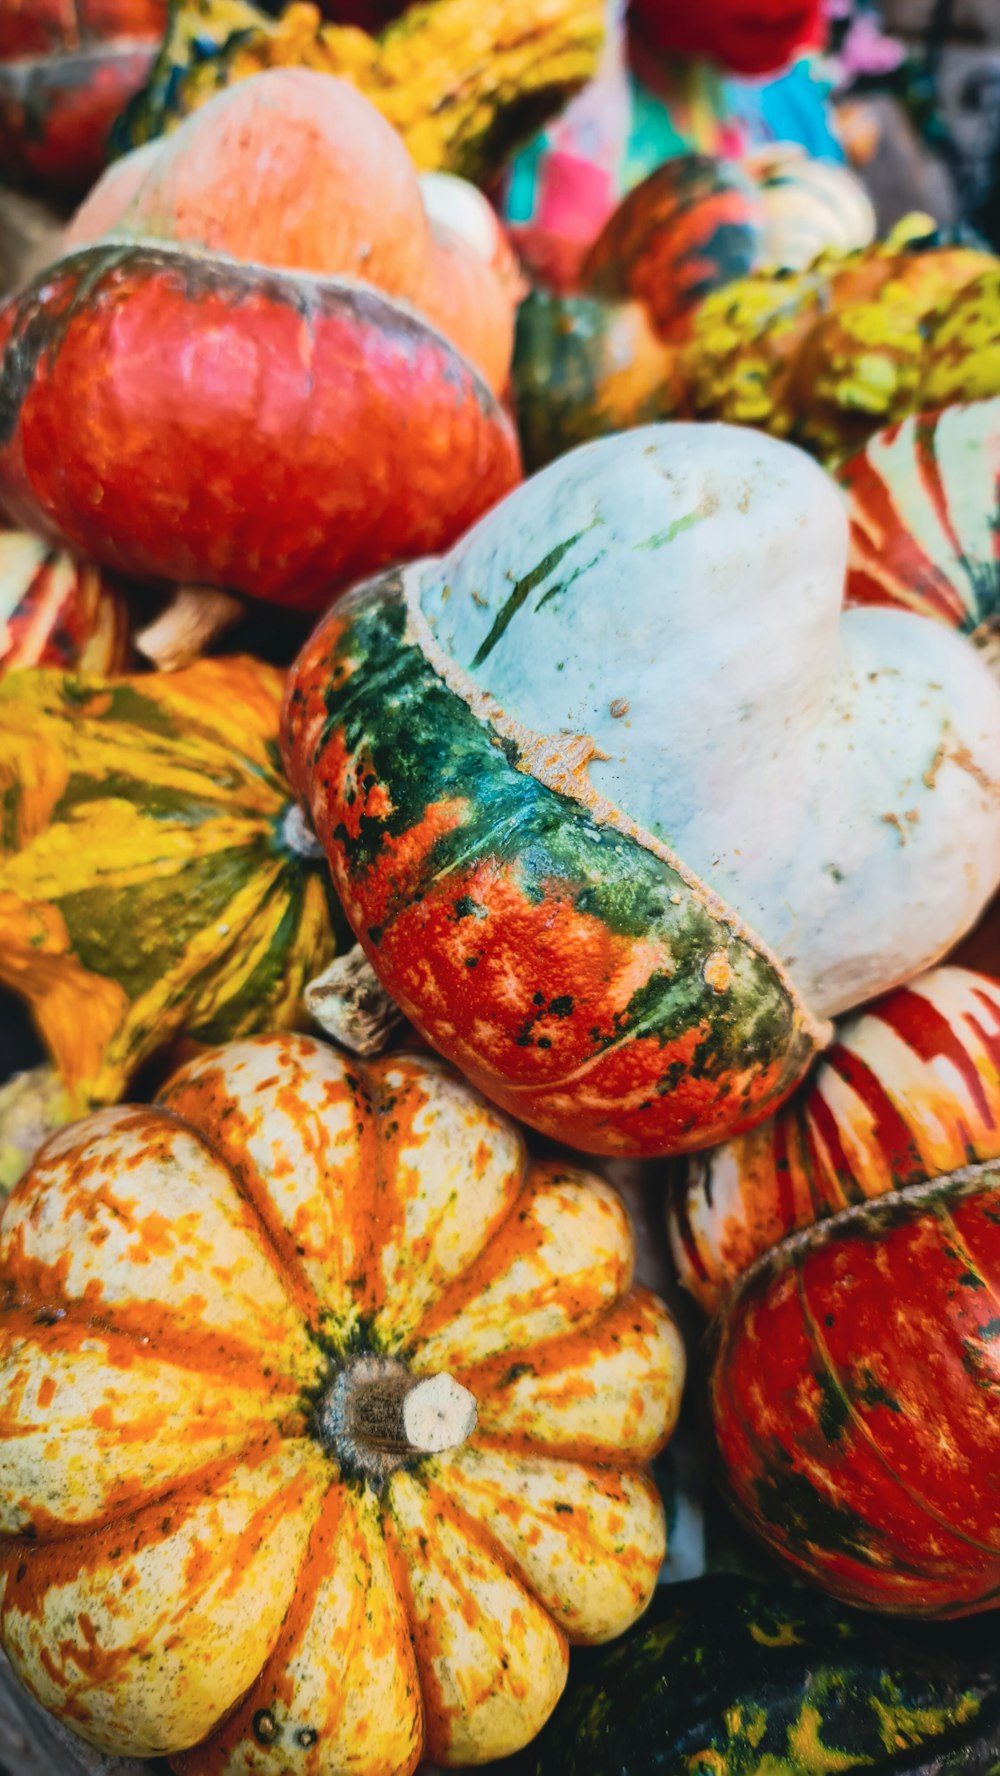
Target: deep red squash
<point>854,1393</point>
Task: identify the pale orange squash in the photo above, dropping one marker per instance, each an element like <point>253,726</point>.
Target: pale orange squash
<point>336,195</point>
<point>324,1415</point>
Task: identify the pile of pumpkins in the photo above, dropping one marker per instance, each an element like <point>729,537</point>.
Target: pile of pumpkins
<point>626,822</point>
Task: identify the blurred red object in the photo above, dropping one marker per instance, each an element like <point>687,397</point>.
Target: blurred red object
<point>742,36</point>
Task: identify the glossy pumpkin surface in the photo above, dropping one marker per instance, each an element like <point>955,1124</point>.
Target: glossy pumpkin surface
<point>693,225</point>
<point>598,912</point>
<point>330,379</point>
<point>853,1394</point>
<point>155,876</point>
<point>57,611</point>
<point>768,1680</point>
<point>463,81</point>
<point>907,1091</point>
<point>925,516</point>
<point>205,1539</point>
<point>809,207</point>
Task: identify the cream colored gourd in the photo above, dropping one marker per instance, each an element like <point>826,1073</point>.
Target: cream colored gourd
<point>675,594</point>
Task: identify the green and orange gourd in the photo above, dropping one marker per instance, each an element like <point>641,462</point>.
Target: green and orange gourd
<point>156,878</point>
<point>629,927</point>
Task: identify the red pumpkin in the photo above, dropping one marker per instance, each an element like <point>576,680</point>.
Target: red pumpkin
<point>66,70</point>
<point>854,1392</point>
<point>269,430</point>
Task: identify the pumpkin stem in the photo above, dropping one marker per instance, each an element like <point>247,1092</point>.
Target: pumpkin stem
<point>405,1416</point>
<point>349,1002</point>
<point>377,1417</point>
<point>194,617</point>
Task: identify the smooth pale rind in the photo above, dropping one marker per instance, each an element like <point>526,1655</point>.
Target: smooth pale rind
<point>294,1121</point>
<point>559,1261</point>
<point>340,1691</point>
<point>617,1385</point>
<point>144,1634</point>
<point>132,1214</point>
<point>492,1663</point>
<point>589,1543</point>
<point>91,1422</point>
<point>451,1171</point>
<point>820,771</point>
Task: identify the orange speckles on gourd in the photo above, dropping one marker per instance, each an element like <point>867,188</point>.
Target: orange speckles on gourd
<point>391,1622</point>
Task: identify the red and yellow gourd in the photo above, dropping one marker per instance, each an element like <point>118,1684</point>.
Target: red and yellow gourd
<point>463,81</point>
<point>326,1416</point>
<point>925,517</point>
<point>908,1090</point>
<point>620,824</point>
<point>57,611</point>
<point>261,346</point>
<point>853,1391</point>
<point>66,69</point>
<point>156,879</point>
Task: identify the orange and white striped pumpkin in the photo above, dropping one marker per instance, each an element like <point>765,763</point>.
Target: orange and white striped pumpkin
<point>908,1091</point>
<point>246,1335</point>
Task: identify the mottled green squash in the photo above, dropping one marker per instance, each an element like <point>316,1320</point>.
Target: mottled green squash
<point>156,878</point>
<point>726,1678</point>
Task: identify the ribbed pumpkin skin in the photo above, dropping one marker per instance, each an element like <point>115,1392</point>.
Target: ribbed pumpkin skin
<point>214,372</point>
<point>925,516</point>
<point>853,1393</point>
<point>768,1680</point>
<point>152,875</point>
<point>463,81</point>
<point>66,70</point>
<point>57,611</point>
<point>185,1287</point>
<point>693,225</point>
<point>450,860</point>
<point>907,1091</point>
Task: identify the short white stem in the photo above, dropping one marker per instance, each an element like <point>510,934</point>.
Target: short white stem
<point>194,617</point>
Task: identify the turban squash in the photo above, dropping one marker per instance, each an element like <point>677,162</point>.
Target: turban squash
<point>734,1677</point>
<point>273,415</point>
<point>325,1414</point>
<point>854,1378</point>
<point>66,69</point>
<point>618,825</point>
<point>908,1090</point>
<point>156,878</point>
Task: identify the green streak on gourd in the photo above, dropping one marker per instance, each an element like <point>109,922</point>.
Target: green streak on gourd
<point>402,724</point>
<point>522,590</point>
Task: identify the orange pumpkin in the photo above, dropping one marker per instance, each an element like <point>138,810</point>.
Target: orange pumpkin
<point>338,197</point>
<point>324,1414</point>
